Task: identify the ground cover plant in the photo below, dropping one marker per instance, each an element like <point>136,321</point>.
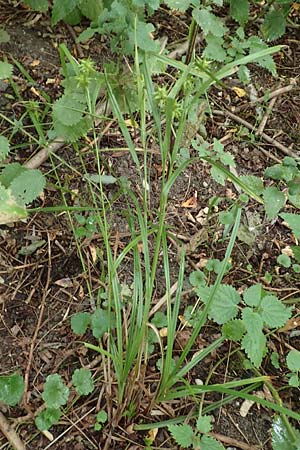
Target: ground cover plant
<point>154,313</point>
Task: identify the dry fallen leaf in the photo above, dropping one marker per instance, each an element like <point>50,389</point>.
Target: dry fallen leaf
<point>245,407</point>
<point>239,91</point>
<point>191,202</point>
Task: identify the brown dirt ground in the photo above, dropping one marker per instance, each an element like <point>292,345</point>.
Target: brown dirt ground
<point>24,279</point>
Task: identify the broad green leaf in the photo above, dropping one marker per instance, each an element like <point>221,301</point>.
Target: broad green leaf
<point>70,133</point>
<point>80,322</point>
<point>281,437</point>
<point>83,382</point>
<point>4,147</point>
<point>255,183</point>
<point>61,8</point>
<point>204,424</point>
<point>296,252</point>
<point>244,75</point>
<point>274,201</point>
<point>11,389</point>
<point>281,172</point>
<point>254,345</point>
<point>101,416</point>
<point>209,443</point>
<point>275,360</point>
<point>47,418</point>
<point>10,172</point>
<point>293,221</point>
<point>294,186</point>
<point>233,330</point>
<point>294,380</point>
<point>252,295</point>
<point>214,50</point>
<point>224,304</point>
<point>209,22</point>
<point>160,319</point>
<point>182,434</point>
<point>4,36</point>
<point>256,45</point>
<point>274,313</point>
<point>218,175</point>
<point>284,260</point>
<point>252,320</point>
<point>274,25</point>
<point>99,323</point>
<point>296,268</point>
<point>27,186</point>
<point>144,37</point>
<point>55,393</point>
<point>226,217</point>
<point>68,110</point>
<point>197,278</point>
<point>5,70</point>
<point>239,11</point>
<point>91,8</point>
<point>181,5</point>
<point>293,360</point>
<point>38,5</point>
<point>10,210</point>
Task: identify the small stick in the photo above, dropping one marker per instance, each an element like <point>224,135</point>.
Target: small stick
<point>10,434</point>
<point>275,93</point>
<point>279,91</point>
<point>267,138</point>
<point>77,45</point>
<point>231,441</point>
<point>265,118</point>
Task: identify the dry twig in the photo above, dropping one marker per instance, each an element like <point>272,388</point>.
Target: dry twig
<point>10,434</point>
<point>264,136</point>
<point>265,118</point>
